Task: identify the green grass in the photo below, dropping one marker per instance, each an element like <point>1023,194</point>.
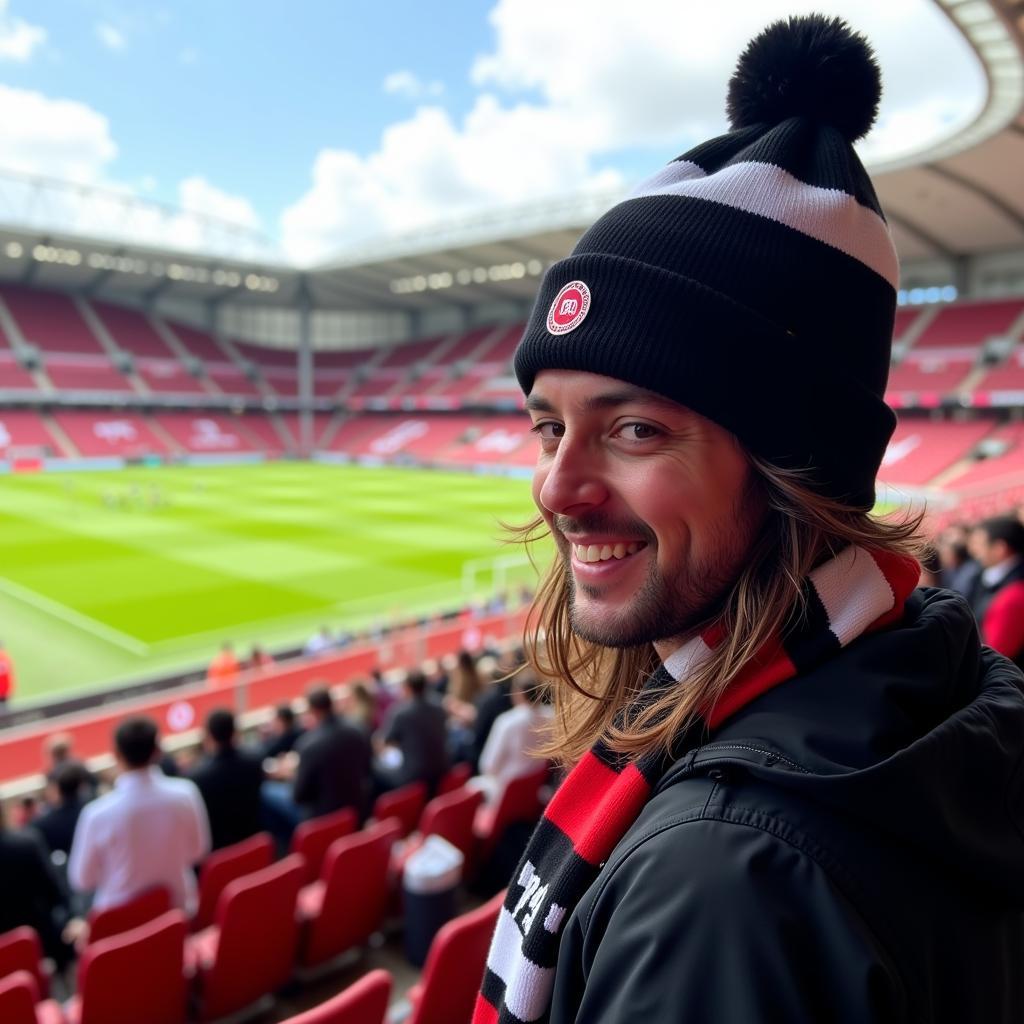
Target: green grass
<point>108,576</point>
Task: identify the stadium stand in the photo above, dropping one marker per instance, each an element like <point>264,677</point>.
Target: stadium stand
<point>204,433</point>
<point>22,429</point>
<point>104,434</point>
<point>249,953</point>
<point>920,450</point>
<point>21,950</point>
<point>20,1002</point>
<point>225,866</point>
<point>347,903</point>
<point>365,1002</point>
<point>313,838</point>
<point>970,324</point>
<point>134,976</point>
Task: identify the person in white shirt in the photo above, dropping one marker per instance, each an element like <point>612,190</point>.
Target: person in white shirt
<point>515,736</point>
<point>148,831</point>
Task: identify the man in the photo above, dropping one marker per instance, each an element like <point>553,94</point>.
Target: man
<point>30,892</point>
<point>417,730</point>
<point>149,830</point>
<point>998,594</point>
<point>66,795</point>
<point>6,677</point>
<point>224,668</point>
<point>334,762</point>
<point>517,735</point>
<point>795,792</point>
<point>283,733</point>
<point>229,781</point>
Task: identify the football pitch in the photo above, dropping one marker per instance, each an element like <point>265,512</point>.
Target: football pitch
<point>111,576</point>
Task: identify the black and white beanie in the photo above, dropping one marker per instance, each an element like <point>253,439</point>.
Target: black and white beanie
<point>754,278</point>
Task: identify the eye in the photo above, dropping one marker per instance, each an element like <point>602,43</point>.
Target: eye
<point>548,430</point>
<point>637,431</point>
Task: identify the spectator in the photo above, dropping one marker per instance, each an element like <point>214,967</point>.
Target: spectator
<point>931,568</point>
<point>464,683</point>
<point>319,642</point>
<point>284,732</point>
<point>259,658</point>
<point>494,701</point>
<point>6,676</point>
<point>959,571</point>
<point>58,750</point>
<point>66,796</point>
<point>30,893</point>
<point>149,830</point>
<point>334,761</point>
<point>417,730</point>
<point>998,596</point>
<point>510,749</point>
<point>224,668</point>
<point>330,768</point>
<point>229,780</point>
<point>359,706</point>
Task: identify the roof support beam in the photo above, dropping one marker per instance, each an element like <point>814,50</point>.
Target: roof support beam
<point>984,194</point>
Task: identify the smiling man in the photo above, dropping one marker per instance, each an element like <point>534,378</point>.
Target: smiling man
<point>795,789</point>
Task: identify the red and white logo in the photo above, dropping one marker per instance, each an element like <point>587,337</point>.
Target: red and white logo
<point>571,305</point>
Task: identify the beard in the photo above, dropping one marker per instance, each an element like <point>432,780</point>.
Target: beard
<point>670,603</point>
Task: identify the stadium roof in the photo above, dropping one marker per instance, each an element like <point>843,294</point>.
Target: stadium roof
<point>957,199</point>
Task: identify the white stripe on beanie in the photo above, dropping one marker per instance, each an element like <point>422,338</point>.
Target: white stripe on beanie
<point>828,215</point>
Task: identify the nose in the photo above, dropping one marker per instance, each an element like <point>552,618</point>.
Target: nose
<point>572,482</point>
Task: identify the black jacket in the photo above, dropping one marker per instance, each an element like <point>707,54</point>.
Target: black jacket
<point>849,848</point>
<point>419,729</point>
<point>229,782</point>
<point>334,768</point>
<point>30,892</point>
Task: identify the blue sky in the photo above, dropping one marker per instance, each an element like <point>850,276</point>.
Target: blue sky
<point>324,124</point>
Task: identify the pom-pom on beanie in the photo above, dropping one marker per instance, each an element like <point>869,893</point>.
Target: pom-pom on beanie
<point>754,278</point>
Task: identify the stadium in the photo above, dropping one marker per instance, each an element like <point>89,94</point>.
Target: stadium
<point>205,444</point>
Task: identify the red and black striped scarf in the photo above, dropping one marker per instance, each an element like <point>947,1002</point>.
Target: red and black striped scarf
<point>856,592</point>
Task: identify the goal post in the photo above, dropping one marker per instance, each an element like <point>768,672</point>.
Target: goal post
<point>486,576</point>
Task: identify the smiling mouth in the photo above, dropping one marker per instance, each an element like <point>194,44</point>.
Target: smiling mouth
<point>591,553</point>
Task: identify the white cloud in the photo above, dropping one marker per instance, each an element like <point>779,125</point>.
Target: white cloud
<point>197,195</point>
<point>18,39</point>
<point>655,71</point>
<point>54,137</point>
<point>408,85</point>
<point>610,78</point>
<point>429,166</point>
<point>111,37</point>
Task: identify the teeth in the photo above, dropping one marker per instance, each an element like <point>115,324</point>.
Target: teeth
<point>602,552</point>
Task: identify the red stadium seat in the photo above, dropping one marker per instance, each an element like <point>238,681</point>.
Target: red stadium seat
<point>454,967</point>
<point>21,950</point>
<point>250,952</point>
<point>224,866</point>
<point>365,1002</point>
<point>452,817</point>
<point>520,802</point>
<point>405,804</point>
<point>137,911</point>
<point>134,977</point>
<point>455,778</point>
<point>346,905</point>
<point>312,838</point>
<point>20,1003</point>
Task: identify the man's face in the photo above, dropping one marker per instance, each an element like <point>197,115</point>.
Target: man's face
<point>653,507</point>
<point>985,551</point>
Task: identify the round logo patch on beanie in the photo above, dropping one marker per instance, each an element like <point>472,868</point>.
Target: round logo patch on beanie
<point>569,309</point>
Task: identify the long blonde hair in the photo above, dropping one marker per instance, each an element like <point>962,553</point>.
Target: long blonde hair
<point>592,683</point>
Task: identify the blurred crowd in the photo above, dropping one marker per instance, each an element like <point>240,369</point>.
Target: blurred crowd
<point>93,842</point>
<point>984,562</point>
